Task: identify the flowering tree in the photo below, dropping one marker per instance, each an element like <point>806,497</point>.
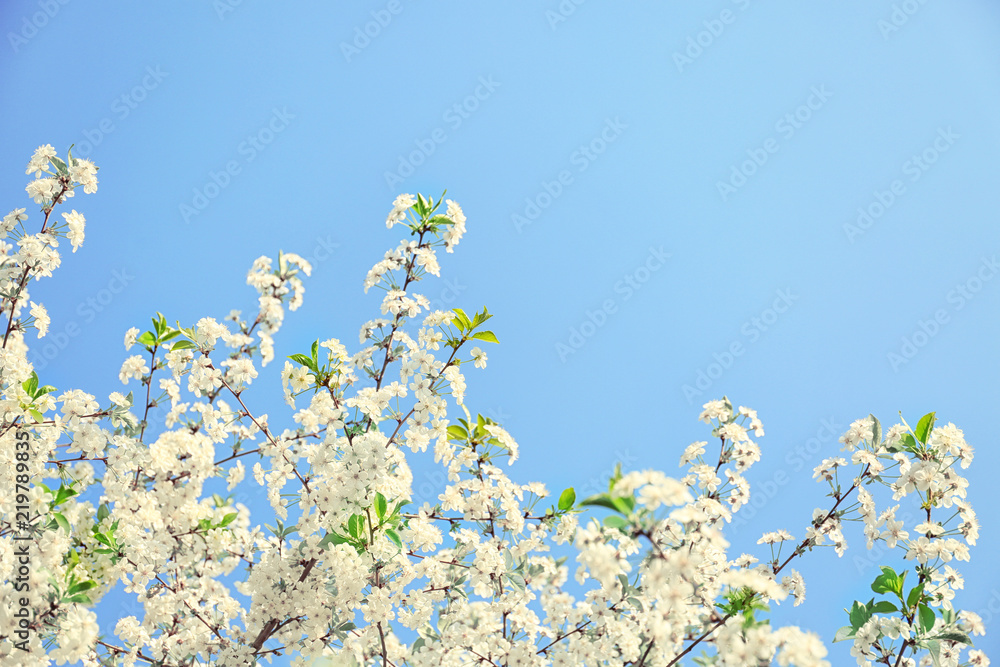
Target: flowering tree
<point>350,573</point>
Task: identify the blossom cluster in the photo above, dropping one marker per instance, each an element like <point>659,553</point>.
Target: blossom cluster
<point>350,571</point>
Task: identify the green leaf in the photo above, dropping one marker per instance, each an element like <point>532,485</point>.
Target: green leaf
<point>602,500</point>
<point>315,352</point>
<point>887,582</point>
<point>302,360</point>
<point>30,384</point>
<point>332,538</point>
<point>624,504</point>
<point>380,505</point>
<point>487,336</point>
<point>615,476</point>
<point>441,220</point>
<point>884,607</point>
<point>147,338</point>
<point>228,519</point>
<point>463,321</point>
<point>843,634</point>
<point>616,522</point>
<point>517,581</point>
<point>924,427</point>
<point>103,512</point>
<point>934,647</point>
<point>567,498</point>
<point>183,345</point>
<point>914,596</point>
<point>394,536</point>
<point>80,587</point>
<point>356,525</point>
<point>480,318</point>
<point>60,165</point>
<point>954,636</point>
<point>79,598</point>
<point>62,521</point>
<point>926,617</point>
<point>456,432</point>
<point>63,494</point>
<point>876,431</point>
<point>859,615</point>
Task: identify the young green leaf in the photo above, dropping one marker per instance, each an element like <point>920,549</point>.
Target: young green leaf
<point>602,500</point>
<point>914,595</point>
<point>380,506</point>
<point>487,336</point>
<point>924,427</point>
<point>456,432</point>
<point>567,498</point>
<point>926,617</point>
<point>394,536</point>
<point>62,521</point>
<point>356,525</point>
<point>884,607</point>
<point>618,522</point>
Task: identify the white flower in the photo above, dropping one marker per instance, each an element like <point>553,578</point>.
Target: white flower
<point>454,233</point>
<point>76,224</point>
<point>399,208</point>
<point>775,536</point>
<point>479,356</point>
<point>300,379</point>
<point>134,367</point>
<point>11,220</point>
<point>40,160</point>
<point>235,475</point>
<point>719,410</point>
<point>130,337</point>
<point>41,318</point>
<point>118,399</point>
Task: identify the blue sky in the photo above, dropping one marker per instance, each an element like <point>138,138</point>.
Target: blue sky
<point>793,204</point>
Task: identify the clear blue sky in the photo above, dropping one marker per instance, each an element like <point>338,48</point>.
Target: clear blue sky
<point>744,139</point>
